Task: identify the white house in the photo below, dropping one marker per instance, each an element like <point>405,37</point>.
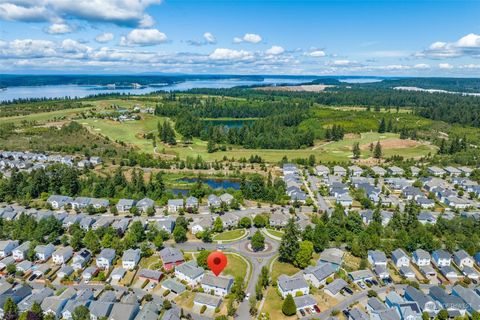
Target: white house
<point>6,247</point>
<point>292,285</point>
<point>20,251</point>
<point>421,257</point>
<point>130,258</point>
<point>44,252</point>
<point>462,259</point>
<point>319,274</point>
<point>80,259</point>
<point>441,258</point>
<point>174,205</point>
<point>377,258</point>
<point>189,272</point>
<point>219,286</point>
<point>105,258</point>
<point>400,258</point>
<point>62,255</point>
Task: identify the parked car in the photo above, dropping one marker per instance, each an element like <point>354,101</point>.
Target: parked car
<point>375,282</point>
<point>348,290</point>
<point>317,309</point>
<point>302,312</point>
<point>346,313</point>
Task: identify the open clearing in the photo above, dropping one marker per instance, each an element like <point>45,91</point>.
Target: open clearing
<point>132,132</point>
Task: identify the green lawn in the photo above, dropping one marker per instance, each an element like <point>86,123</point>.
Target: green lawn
<point>282,268</point>
<point>236,267</point>
<point>43,117</point>
<point>276,233</point>
<point>130,132</point>
<point>150,262</point>
<point>273,304</point>
<point>230,235</point>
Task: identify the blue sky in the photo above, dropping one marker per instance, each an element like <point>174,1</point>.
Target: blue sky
<point>424,38</point>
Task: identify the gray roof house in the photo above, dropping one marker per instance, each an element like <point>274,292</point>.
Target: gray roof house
<point>453,304</point>
<point>400,258</point>
<point>305,301</point>
<point>213,201</point>
<point>174,286</point>
<point>376,257</point>
<point>471,299</point>
<point>218,285</point>
<point>335,287</point>
<point>145,203</point>
<point>189,272</point>
<point>191,203</point>
<point>171,257</point>
<point>203,299</point>
<point>6,247</point>
<point>58,201</point>
<point>124,205</point>
<point>105,258</point>
<point>123,311</point>
<point>100,309</point>
<point>318,275</point>
<point>291,285</point>
<point>20,251</point>
<point>425,302</point>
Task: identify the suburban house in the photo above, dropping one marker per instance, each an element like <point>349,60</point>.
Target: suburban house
<point>305,301</point>
<point>441,258</point>
<point>421,257</point>
<point>333,256</point>
<point>144,204</point>
<point>124,311</point>
<point>339,171</point>
<point>165,224</point>
<point>407,272</point>
<point>292,285</point>
<point>62,255</point>
<point>436,171</point>
<point>207,300</point>
<point>449,273</point>
<point>400,258</point>
<point>453,304</point>
<point>395,171</point>
<point>171,257</point>
<point>105,258</point>
<point>174,205</point>
<point>471,299</point>
<point>58,201</point>
<point>376,258</point>
<point>19,252</point>
<point>355,171</point>
<point>213,201</point>
<point>322,171</point>
<point>130,258</point>
<point>335,287</point>
<point>379,171</point>
<point>461,259</point>
<point>6,247</point>
<point>44,252</point>
<point>452,171</point>
<point>319,274</point>
<point>151,275</point>
<point>81,258</point>
<point>124,205</point>
<point>189,272</point>
<point>217,285</point>
<point>191,203</point>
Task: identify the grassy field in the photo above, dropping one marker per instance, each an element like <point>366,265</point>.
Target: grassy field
<point>130,132</point>
<point>282,268</point>
<point>236,267</point>
<point>44,117</point>
<point>230,235</point>
<point>273,304</point>
<point>276,233</point>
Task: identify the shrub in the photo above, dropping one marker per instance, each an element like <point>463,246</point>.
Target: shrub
<point>203,309</point>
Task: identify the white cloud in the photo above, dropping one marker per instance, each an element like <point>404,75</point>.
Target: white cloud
<point>59,28</point>
<point>317,54</point>
<point>421,66</point>
<point>16,12</point>
<point>209,38</point>
<point>468,45</point>
<point>248,37</point>
<point>229,54</point>
<point>143,37</point>
<point>121,12</point>
<point>275,50</point>
<point>104,37</point>
<point>343,62</point>
<point>445,66</point>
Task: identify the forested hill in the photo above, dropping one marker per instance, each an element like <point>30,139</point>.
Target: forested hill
<point>467,85</point>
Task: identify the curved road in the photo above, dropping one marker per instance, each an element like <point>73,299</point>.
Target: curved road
<point>257,260</point>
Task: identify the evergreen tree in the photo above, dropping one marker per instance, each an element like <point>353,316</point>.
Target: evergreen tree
<point>356,150</point>
<point>382,126</point>
<point>289,308</point>
<point>289,245</point>
<point>377,152</point>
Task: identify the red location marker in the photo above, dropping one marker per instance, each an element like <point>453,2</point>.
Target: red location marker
<point>217,261</point>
